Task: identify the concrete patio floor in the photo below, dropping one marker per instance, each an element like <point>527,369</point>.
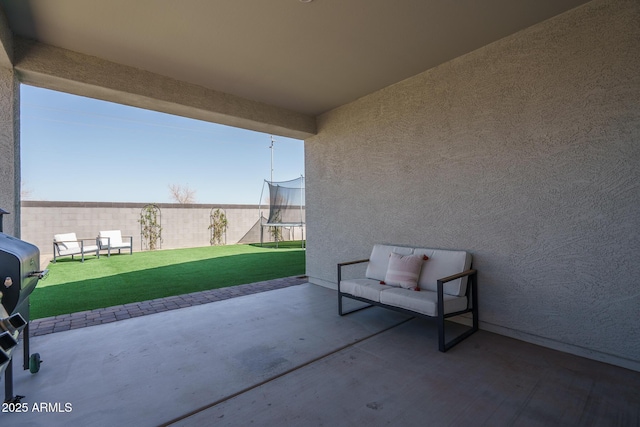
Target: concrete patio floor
<point>285,358</point>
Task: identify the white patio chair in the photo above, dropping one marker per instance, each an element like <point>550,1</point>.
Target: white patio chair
<point>112,239</point>
<point>68,244</point>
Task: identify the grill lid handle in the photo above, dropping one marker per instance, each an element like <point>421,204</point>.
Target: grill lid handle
<point>39,274</point>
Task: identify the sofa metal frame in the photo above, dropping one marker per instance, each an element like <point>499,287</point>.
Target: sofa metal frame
<point>472,304</point>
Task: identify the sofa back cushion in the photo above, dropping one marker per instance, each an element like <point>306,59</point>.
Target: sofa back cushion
<point>379,260</point>
<point>114,238</point>
<point>67,241</point>
<point>443,263</point>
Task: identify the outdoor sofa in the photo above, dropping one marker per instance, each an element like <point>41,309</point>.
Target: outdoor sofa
<point>113,239</point>
<point>68,244</point>
<point>422,282</point>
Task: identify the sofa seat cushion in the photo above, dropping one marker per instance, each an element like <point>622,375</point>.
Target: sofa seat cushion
<point>77,251</point>
<point>73,251</point>
<point>425,302</point>
<point>121,246</point>
<point>363,288</point>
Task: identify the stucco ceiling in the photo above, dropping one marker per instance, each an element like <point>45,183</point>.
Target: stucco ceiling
<point>306,57</point>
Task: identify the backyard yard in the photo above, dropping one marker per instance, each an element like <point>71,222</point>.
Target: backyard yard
<point>72,286</point>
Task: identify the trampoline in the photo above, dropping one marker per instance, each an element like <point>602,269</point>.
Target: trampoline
<point>286,208</point>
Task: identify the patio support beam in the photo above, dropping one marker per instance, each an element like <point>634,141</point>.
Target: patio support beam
<point>6,42</point>
<point>10,150</point>
<point>9,132</point>
<point>59,69</point>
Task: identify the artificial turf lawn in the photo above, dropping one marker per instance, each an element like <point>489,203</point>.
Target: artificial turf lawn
<point>72,286</point>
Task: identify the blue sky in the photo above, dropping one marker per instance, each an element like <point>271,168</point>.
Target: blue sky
<point>81,149</point>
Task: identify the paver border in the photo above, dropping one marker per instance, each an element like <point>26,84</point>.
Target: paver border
<point>66,322</point>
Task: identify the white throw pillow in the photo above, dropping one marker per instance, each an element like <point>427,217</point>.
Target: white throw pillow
<point>404,270</point>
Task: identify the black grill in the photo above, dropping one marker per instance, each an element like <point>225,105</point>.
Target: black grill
<point>19,275</point>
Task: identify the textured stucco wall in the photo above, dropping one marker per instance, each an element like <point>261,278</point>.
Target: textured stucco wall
<point>525,152</point>
<point>10,151</point>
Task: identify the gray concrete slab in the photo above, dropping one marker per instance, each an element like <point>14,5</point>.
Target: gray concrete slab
<point>398,378</point>
<point>285,358</point>
<point>152,369</point>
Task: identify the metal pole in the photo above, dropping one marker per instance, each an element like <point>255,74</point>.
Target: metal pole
<point>8,383</point>
<point>271,147</point>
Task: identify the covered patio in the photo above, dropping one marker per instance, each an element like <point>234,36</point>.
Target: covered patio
<point>284,357</point>
<point>506,129</point>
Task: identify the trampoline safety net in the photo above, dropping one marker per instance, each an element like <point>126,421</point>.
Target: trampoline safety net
<point>286,208</point>
<point>286,203</point>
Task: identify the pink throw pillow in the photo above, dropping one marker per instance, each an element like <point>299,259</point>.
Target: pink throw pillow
<point>404,270</point>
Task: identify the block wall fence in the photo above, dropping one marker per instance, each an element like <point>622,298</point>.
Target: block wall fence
<point>183,226</point>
